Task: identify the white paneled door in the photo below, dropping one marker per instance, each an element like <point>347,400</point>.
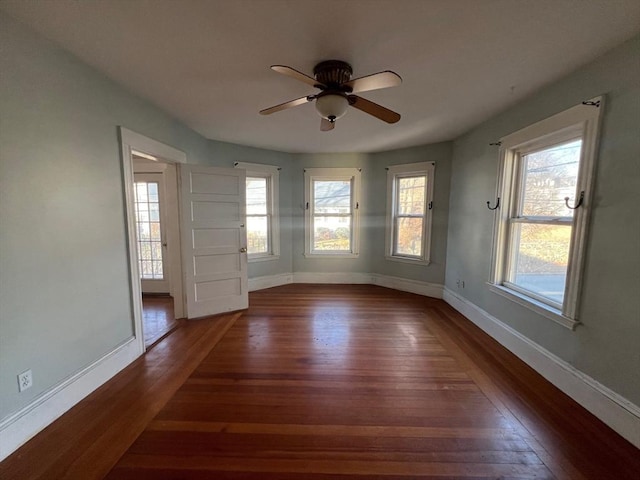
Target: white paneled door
<point>214,239</point>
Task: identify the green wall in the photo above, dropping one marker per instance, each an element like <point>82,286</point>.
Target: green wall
<point>607,345</point>
<point>64,284</point>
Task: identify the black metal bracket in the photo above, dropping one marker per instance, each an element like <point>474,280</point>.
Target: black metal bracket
<point>579,204</point>
<point>591,104</point>
<point>493,208</point>
<point>495,144</point>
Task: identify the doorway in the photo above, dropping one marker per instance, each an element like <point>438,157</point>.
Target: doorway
<point>163,159</point>
<point>154,219</point>
<point>206,256</point>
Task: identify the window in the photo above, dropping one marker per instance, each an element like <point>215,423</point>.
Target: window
<point>546,175</point>
<point>331,211</point>
<point>262,222</point>
<point>409,202</point>
<point>147,208</point>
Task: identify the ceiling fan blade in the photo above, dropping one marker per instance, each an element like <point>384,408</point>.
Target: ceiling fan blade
<point>293,73</point>
<point>285,105</point>
<point>374,109</point>
<point>326,125</point>
<point>374,82</point>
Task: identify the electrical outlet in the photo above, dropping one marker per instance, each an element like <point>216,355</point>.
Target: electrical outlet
<point>25,381</point>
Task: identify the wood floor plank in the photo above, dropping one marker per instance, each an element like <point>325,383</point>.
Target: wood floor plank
<point>320,382</point>
<point>87,441</point>
<point>317,366</point>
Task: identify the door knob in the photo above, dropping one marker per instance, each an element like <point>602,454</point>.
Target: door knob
<point>243,250</point>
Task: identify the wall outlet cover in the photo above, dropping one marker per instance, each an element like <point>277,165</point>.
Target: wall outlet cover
<point>25,381</point>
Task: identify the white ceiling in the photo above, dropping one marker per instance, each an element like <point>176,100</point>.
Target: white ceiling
<point>207,61</point>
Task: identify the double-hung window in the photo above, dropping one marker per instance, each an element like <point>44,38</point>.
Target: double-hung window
<point>409,203</point>
<point>331,211</point>
<point>262,222</point>
<point>544,186</point>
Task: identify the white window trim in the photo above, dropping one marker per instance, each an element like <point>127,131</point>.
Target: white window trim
<point>581,120</point>
<point>352,174</point>
<point>398,171</point>
<point>272,173</point>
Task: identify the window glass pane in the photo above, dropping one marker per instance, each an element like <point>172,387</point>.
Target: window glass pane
<point>549,176</point>
<point>141,191</point>
<point>146,270</point>
<point>157,269</point>
<point>257,235</point>
<point>154,212</point>
<point>409,236</point>
<point>153,191</point>
<point>147,211</point>
<point>256,196</point>
<point>332,196</point>
<point>332,233</point>
<point>410,195</point>
<point>540,257</point>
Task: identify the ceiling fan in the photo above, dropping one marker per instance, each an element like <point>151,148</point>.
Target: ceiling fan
<point>333,78</point>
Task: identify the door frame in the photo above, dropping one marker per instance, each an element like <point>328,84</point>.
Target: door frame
<point>132,141</point>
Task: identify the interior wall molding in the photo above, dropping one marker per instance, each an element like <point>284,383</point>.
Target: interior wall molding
<point>412,286</point>
<point>269,281</point>
<point>433,290</point>
<point>333,277</point>
<point>18,428</point>
<point>617,412</point>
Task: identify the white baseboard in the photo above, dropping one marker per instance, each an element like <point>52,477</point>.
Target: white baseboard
<point>268,281</point>
<point>27,422</point>
<point>332,277</point>
<point>618,413</point>
<point>412,286</point>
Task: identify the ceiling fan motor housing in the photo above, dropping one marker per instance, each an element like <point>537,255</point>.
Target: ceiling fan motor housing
<point>333,73</point>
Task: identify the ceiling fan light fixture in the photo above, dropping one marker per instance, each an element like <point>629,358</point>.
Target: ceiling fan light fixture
<point>331,106</point>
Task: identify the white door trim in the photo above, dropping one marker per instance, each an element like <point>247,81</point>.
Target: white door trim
<point>131,141</point>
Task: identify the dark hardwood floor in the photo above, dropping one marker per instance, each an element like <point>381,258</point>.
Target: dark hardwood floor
<point>327,382</point>
<point>158,317</point>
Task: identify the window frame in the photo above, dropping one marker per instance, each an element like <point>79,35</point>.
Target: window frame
<point>353,175</point>
<point>581,121</point>
<point>272,175</point>
<point>394,174</point>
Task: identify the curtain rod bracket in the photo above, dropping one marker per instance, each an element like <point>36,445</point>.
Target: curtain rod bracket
<point>493,208</point>
<point>579,204</point>
<point>592,104</point>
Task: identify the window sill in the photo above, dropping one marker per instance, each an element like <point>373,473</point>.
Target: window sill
<point>262,258</point>
<point>536,306</point>
<point>412,261</point>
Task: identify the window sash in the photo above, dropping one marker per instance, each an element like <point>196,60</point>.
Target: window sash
<point>270,174</point>
<point>579,122</point>
<point>514,248</point>
<point>312,217</point>
<point>315,216</point>
<point>267,250</point>
<point>395,175</point>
